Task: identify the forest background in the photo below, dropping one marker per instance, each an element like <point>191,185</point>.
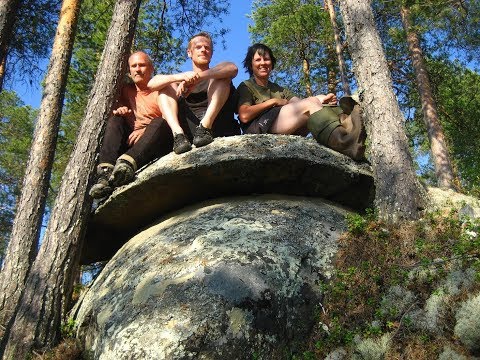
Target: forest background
<point>448,29</point>
<point>301,39</point>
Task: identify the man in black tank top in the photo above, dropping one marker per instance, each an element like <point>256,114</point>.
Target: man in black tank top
<point>203,99</point>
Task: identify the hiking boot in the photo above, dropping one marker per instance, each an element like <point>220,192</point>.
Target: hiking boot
<point>122,174</point>
<point>102,188</point>
<point>181,144</point>
<point>203,136</point>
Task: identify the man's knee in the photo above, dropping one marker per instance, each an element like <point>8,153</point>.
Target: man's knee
<point>168,92</point>
<point>221,86</point>
<point>116,122</point>
<point>157,122</point>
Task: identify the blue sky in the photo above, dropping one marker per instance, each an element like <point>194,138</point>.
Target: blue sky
<point>237,41</point>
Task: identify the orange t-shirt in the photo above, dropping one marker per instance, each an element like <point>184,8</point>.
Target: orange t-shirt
<point>143,105</point>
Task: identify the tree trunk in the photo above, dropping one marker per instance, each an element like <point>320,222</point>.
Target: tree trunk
<point>8,11</point>
<point>3,65</point>
<point>398,193</point>
<point>306,76</point>
<point>331,70</point>
<point>49,285</point>
<point>23,243</point>
<point>338,48</point>
<point>440,156</point>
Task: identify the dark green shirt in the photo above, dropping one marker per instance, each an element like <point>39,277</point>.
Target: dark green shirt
<point>250,93</point>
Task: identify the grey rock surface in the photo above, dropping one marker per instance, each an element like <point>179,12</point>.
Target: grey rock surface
<point>231,166</point>
<point>229,278</point>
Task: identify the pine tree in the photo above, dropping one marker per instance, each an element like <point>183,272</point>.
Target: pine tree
<point>329,5</point>
<point>439,151</point>
<point>399,194</point>
<point>8,9</point>
<point>49,284</point>
<point>23,243</point>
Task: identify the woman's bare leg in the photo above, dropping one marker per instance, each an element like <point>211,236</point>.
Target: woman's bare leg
<point>294,115</point>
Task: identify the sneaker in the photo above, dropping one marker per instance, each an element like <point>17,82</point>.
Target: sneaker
<point>181,144</point>
<point>203,136</point>
<point>122,174</point>
<point>102,188</point>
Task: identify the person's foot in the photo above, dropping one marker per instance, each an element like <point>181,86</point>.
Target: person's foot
<point>349,138</point>
<point>203,136</point>
<point>328,99</point>
<point>122,174</point>
<point>181,144</point>
<point>102,188</point>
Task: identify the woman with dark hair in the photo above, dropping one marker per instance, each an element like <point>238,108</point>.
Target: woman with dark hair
<point>266,107</point>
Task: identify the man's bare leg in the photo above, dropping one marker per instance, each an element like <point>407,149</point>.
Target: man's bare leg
<point>167,101</point>
<point>218,93</point>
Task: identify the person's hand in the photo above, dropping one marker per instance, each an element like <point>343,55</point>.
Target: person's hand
<point>183,89</point>
<point>279,102</point>
<point>135,136</point>
<point>191,78</point>
<point>122,110</point>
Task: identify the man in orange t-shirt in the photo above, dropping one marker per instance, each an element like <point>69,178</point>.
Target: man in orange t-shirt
<point>137,133</point>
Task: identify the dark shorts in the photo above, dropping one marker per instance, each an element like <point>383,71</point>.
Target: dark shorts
<point>263,123</point>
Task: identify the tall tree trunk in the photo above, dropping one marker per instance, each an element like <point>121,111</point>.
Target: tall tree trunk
<point>338,47</point>
<point>3,65</point>
<point>331,70</point>
<point>399,194</point>
<point>306,76</point>
<point>8,11</point>
<point>49,284</point>
<point>440,156</point>
<point>23,243</point>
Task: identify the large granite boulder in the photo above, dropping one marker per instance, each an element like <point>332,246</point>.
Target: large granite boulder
<point>231,278</point>
<point>231,166</point>
<point>224,251</point>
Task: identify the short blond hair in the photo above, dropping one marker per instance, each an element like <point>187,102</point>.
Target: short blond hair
<point>200,34</point>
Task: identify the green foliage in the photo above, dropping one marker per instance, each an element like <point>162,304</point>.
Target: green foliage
<point>33,32</point>
<point>387,275</point>
<point>304,35</point>
<point>68,328</point>
<point>457,94</point>
<point>457,90</point>
<point>357,224</point>
<point>307,355</point>
<point>16,130</point>
<point>449,36</point>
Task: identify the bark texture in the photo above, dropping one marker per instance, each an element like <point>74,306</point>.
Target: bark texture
<point>3,65</point>
<point>438,147</point>
<point>306,74</point>
<point>23,242</point>
<point>8,11</point>
<point>399,194</point>
<point>48,286</point>
<point>338,47</point>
